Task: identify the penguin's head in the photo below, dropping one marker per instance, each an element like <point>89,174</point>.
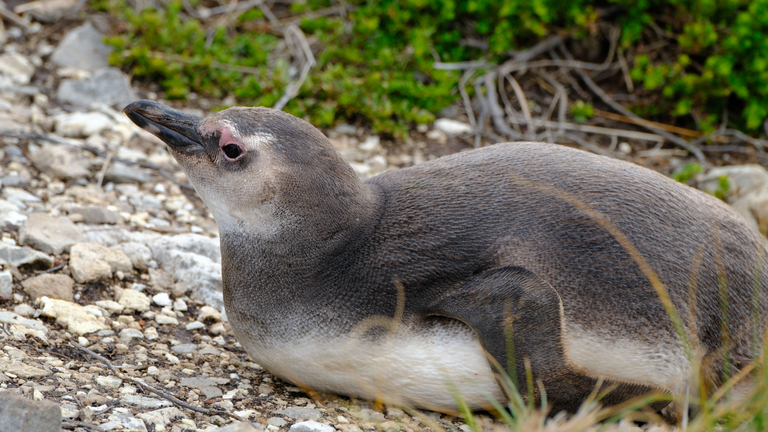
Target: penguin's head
<point>257,169</point>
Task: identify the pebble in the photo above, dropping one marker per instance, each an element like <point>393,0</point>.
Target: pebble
<point>56,286</point>
<point>151,333</point>
<point>239,427</point>
<point>109,86</point>
<point>208,313</point>
<point>24,256</point>
<point>145,402</point>
<point>123,418</point>
<point>161,417</point>
<point>184,348</point>
<point>165,319</point>
<point>130,335</point>
<point>452,127</point>
<point>22,370</point>
<point>162,299</point>
<point>6,285</point>
<point>110,306</point>
<point>311,426</point>
<point>299,413</point>
<point>276,421</point>
<point>24,310</point>
<point>14,318</point>
<point>205,385</point>
<point>19,197</point>
<point>76,318</point>
<point>195,325</point>
<point>48,234</point>
<point>62,162</point>
<point>138,253</point>
<point>122,173</point>
<point>16,67</point>
<point>109,381</point>
<point>82,48</point>
<point>92,261</point>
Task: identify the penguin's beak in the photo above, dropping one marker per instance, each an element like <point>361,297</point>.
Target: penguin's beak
<point>175,128</point>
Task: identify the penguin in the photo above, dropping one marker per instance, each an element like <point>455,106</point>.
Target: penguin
<point>523,266</point>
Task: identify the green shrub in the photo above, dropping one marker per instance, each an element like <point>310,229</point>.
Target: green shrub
<point>375,64</point>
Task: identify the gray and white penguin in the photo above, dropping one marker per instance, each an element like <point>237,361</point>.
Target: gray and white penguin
<point>420,284</point>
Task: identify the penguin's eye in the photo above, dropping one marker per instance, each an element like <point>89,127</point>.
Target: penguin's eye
<point>232,151</point>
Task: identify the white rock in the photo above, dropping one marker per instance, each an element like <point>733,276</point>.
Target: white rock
<point>151,333</point>
<point>208,313</point>
<point>452,127</point>
<point>372,143</point>
<point>16,67</point>
<point>13,318</point>
<point>19,197</point>
<point>165,319</point>
<point>110,306</point>
<point>20,256</point>
<point>10,213</point>
<point>180,305</point>
<point>24,310</point>
<point>82,124</point>
<point>129,335</point>
<point>123,418</point>
<point>109,381</point>
<point>138,253</point>
<point>311,426</point>
<point>162,299</point>
<point>134,300</point>
<point>161,417</point>
<point>195,325</point>
<point>76,318</point>
<point>6,285</point>
<point>145,402</point>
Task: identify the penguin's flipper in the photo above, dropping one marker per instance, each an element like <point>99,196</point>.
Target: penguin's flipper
<point>519,316</point>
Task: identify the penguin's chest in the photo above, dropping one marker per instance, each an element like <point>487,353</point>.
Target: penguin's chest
<point>427,367</point>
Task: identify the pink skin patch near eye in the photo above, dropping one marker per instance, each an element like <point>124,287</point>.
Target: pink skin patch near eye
<point>229,146</point>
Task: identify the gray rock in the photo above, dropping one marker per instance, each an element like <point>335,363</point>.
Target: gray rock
<point>109,86</point>
<point>184,348</point>
<point>48,234</point>
<point>452,127</point>
<point>138,253</point>
<point>58,286</point>
<point>82,48</point>
<point>276,421</point>
<point>61,161</point>
<point>19,414</point>
<point>311,426</point>
<point>6,285</point>
<point>24,256</point>
<point>129,335</point>
<point>97,215</point>
<point>10,213</point>
<point>121,173</point>
<point>299,413</point>
<point>109,381</point>
<point>122,417</point>
<point>19,197</point>
<point>205,385</point>
<point>13,181</point>
<point>16,67</point>
<point>161,417</point>
<point>238,427</point>
<point>145,402</point>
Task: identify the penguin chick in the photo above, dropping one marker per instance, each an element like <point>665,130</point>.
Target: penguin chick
<point>418,285</point>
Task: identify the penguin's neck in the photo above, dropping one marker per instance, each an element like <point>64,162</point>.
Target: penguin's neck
<point>272,272</point>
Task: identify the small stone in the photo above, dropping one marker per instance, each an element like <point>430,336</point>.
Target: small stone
<point>20,414</point>
<point>6,285</point>
<point>93,261</point>
<point>184,348</point>
<point>24,256</point>
<point>57,286</point>
<point>110,306</point>
<point>138,253</point>
<point>299,413</point>
<point>24,310</point>
<point>16,67</point>
<point>208,313</point>
<point>311,426</point>
<point>83,48</point>
<point>123,418</point>
<point>239,427</point>
<point>162,299</point>
<point>50,11</point>
<point>217,328</point>
<point>109,86</point>
<point>129,335</point>
<point>165,319</point>
<point>277,421</point>
<point>180,305</point>
<point>50,235</point>
<point>61,162</point>
<point>12,318</point>
<point>205,385</point>
<point>22,370</point>
<point>122,173</point>
<point>145,402</point>
<point>10,212</point>
<point>109,381</point>
<point>76,318</point>
<point>97,215</point>
<point>160,418</point>
<point>195,325</point>
<point>151,333</point>
<point>452,127</point>
<point>82,124</point>
<point>134,300</point>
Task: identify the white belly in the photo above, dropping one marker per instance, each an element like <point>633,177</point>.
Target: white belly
<point>428,369</point>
